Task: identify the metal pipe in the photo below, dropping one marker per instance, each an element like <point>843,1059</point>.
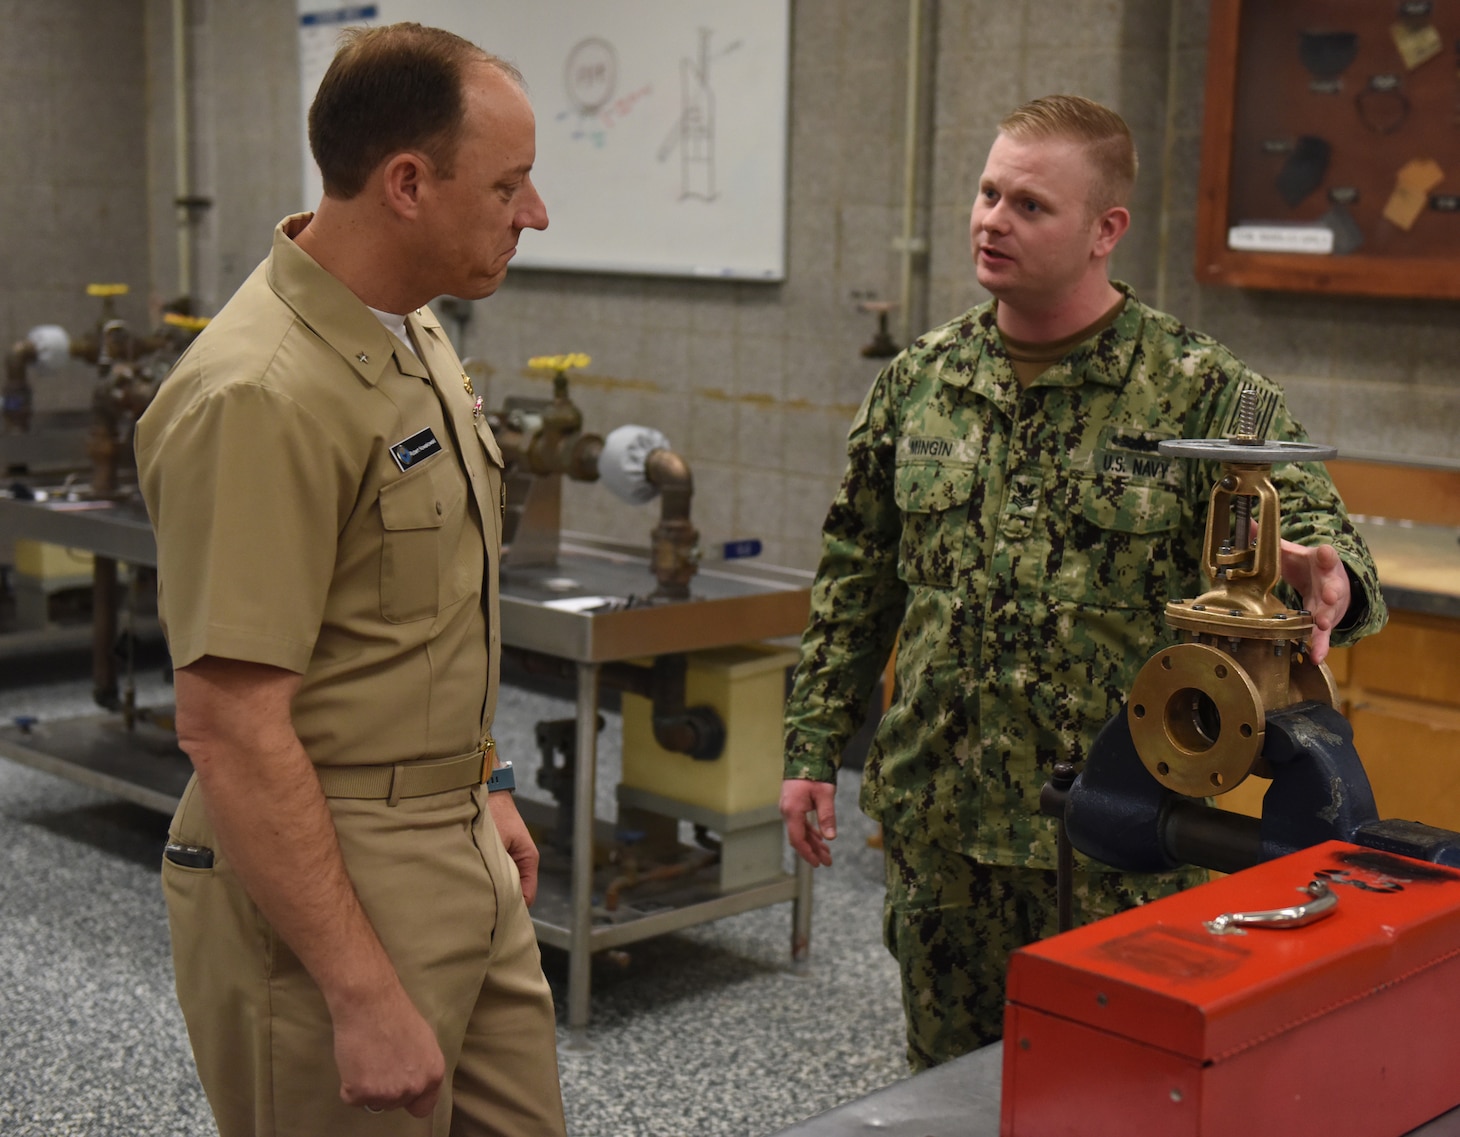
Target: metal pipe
<point>674,541</point>
<point>633,877</point>
<point>182,148</point>
<point>17,393</point>
<point>671,473</point>
<point>1168,148</point>
<point>580,935</point>
<point>1193,833</point>
<point>908,245</point>
<point>697,731</point>
<point>801,913</point>
<point>1063,778</point>
<point>104,633</point>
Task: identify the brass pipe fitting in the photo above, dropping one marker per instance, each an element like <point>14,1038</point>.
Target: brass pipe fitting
<point>1198,710</point>
<point>674,542</point>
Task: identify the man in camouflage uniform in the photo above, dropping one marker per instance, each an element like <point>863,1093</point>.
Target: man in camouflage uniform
<point>1007,520</point>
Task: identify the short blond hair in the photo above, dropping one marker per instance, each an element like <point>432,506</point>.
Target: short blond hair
<point>1104,134</point>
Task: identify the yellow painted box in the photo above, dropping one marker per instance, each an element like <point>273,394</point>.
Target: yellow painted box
<point>46,562</point>
<point>746,685</point>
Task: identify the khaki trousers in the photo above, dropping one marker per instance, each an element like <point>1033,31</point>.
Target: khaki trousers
<point>446,901</point>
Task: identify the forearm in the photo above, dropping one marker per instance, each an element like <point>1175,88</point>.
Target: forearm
<point>274,827</point>
<point>1314,515</point>
<point>857,606</point>
<point>856,602</point>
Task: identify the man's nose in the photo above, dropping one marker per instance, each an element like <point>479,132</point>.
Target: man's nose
<point>994,218</point>
<point>533,214</point>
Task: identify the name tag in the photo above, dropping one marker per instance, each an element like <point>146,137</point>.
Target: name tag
<point>415,449</point>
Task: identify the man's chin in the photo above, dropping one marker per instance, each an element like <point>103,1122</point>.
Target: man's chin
<point>994,283</point>
<point>481,289</point>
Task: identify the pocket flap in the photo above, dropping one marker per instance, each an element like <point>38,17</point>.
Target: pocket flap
<point>413,502</point>
<point>931,487</point>
<point>1124,504</point>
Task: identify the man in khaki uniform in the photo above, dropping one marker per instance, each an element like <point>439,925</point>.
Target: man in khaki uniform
<point>347,899</point>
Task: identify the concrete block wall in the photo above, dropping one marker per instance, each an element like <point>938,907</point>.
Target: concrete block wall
<point>247,153</point>
<point>73,179</point>
<point>754,383</point>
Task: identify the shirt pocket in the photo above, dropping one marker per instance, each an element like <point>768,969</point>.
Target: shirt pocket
<point>412,512</point>
<point>1118,543</point>
<point>934,499</point>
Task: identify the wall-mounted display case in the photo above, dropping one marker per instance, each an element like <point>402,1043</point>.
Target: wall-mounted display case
<point>1331,147</point>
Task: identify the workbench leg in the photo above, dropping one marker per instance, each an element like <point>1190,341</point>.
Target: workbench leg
<point>104,633</point>
<point>580,937</point>
<point>801,913</point>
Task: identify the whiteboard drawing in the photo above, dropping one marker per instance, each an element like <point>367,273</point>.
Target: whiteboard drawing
<point>662,125</point>
<point>694,132</point>
<point>590,74</point>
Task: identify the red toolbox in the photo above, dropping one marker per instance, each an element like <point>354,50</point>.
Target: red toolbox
<point>1152,1022</point>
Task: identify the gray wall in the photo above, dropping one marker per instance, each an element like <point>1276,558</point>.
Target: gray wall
<point>754,383</point>
<point>73,174</point>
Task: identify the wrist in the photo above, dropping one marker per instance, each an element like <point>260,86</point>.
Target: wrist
<point>502,780</point>
<point>1358,603</point>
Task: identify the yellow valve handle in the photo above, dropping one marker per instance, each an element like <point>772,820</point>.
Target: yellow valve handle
<point>107,290</point>
<point>560,362</point>
<point>187,323</point>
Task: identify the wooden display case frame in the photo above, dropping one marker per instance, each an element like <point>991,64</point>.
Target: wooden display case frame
<point>1357,274</point>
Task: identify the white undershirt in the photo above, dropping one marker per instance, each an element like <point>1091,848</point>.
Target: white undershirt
<point>396,325</point>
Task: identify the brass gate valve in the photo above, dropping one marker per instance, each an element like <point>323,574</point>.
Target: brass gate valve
<point>1198,710</point>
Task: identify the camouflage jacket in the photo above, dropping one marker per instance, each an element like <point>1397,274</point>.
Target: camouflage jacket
<point>1019,546</point>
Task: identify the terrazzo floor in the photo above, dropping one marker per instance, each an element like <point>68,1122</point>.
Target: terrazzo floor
<point>706,1032</point>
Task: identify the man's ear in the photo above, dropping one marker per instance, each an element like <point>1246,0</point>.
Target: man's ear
<point>403,177</point>
<point>1110,227</point>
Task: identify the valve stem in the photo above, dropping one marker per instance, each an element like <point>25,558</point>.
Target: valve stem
<point>1247,434</point>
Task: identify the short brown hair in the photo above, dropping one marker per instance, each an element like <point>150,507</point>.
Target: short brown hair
<point>388,89</point>
<point>1106,137</point>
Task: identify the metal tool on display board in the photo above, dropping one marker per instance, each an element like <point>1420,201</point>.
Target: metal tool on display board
<point>1240,695</point>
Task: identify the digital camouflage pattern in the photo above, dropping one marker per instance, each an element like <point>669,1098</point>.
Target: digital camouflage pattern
<point>1020,547</point>
<point>953,923</point>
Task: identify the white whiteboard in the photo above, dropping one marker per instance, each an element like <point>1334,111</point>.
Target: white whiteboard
<point>661,124</point>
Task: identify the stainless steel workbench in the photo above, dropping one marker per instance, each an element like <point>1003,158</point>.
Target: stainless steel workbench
<point>587,610</point>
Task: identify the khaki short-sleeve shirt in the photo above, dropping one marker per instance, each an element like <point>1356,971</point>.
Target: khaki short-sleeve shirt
<point>328,502</point>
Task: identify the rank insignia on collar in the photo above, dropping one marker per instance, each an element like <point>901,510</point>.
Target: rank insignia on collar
<point>363,358</point>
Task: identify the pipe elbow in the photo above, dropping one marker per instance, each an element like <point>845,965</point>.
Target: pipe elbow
<point>669,471</point>
<point>696,731</point>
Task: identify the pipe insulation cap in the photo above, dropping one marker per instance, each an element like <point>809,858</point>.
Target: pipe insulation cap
<point>52,345</point>
<point>621,464</point>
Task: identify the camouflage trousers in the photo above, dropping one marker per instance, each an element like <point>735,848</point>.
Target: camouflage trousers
<point>951,924</point>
